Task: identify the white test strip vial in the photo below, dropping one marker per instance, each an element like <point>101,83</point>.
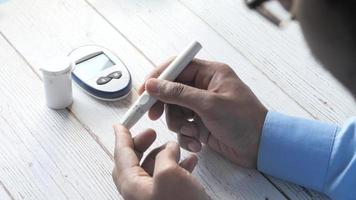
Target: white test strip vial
<point>58,83</point>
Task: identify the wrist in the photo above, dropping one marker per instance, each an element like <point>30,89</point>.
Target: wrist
<point>258,134</point>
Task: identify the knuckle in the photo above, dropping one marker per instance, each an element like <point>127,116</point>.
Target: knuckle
<point>225,66</point>
<point>225,69</point>
<point>209,103</point>
<point>222,67</point>
<point>153,74</point>
<point>176,90</point>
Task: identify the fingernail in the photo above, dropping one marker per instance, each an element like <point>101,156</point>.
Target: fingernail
<point>185,130</point>
<point>189,131</point>
<point>194,147</point>
<point>152,86</point>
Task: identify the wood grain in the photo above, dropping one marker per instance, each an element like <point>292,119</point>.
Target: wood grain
<point>44,154</point>
<point>282,55</point>
<point>294,70</point>
<point>5,193</point>
<point>174,25</point>
<point>68,24</point>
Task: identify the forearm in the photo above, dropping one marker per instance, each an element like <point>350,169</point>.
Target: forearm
<point>310,153</point>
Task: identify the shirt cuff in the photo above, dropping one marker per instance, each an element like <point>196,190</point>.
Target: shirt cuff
<point>295,149</point>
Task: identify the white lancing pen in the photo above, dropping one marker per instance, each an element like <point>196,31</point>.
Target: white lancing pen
<point>145,101</point>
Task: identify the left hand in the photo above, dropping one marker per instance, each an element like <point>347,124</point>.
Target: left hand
<point>160,176</point>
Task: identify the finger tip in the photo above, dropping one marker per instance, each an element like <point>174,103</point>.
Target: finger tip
<point>152,115</point>
<point>173,145</point>
<point>194,147</point>
<point>149,81</point>
<point>152,132</point>
<point>141,89</point>
<point>151,85</point>
<point>118,128</point>
<point>194,158</point>
<point>174,148</point>
<point>191,162</point>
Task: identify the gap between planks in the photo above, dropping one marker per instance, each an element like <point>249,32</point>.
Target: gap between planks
<point>7,192</point>
<point>89,131</point>
<point>232,47</point>
<point>153,64</point>
<point>247,58</point>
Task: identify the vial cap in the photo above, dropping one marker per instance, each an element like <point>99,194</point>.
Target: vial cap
<point>56,66</point>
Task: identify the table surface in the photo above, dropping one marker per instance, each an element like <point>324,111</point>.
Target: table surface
<point>46,154</point>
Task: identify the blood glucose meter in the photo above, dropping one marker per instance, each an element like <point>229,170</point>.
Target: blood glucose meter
<point>100,73</point>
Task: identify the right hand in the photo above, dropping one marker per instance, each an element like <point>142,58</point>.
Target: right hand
<point>209,104</point>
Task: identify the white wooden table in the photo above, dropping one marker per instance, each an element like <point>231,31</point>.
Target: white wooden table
<point>46,154</point>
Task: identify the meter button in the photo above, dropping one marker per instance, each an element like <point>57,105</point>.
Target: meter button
<point>115,75</point>
<point>103,80</point>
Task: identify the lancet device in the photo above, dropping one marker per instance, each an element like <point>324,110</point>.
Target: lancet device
<point>145,101</point>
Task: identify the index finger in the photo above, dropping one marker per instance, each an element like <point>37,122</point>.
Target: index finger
<point>189,74</point>
<point>155,73</point>
<point>125,156</point>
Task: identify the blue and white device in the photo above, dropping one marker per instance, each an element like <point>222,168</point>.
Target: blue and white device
<point>100,73</point>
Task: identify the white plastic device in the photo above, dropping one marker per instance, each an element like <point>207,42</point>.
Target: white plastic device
<point>145,101</point>
<point>100,73</point>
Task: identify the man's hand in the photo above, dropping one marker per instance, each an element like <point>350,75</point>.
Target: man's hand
<point>159,176</point>
<point>208,103</point>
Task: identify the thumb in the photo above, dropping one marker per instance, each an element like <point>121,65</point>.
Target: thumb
<point>176,93</point>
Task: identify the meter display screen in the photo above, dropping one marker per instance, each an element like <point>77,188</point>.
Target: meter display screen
<point>91,67</point>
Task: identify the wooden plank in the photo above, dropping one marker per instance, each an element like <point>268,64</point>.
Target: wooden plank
<point>174,26</point>
<point>296,192</point>
<point>4,193</point>
<point>155,19</point>
<point>45,154</point>
<point>69,24</point>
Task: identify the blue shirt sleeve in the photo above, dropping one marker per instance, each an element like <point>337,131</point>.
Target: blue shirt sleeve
<point>310,153</point>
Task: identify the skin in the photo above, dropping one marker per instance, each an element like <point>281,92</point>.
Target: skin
<point>149,180</point>
<point>208,104</point>
<point>205,92</point>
